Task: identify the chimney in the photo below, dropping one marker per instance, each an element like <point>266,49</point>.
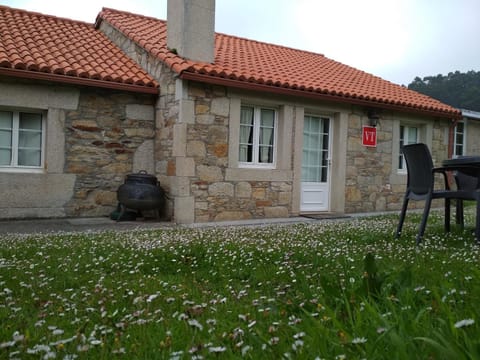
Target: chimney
<point>191,29</point>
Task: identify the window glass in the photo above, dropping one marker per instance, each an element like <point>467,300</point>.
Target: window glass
<point>459,139</point>
<point>315,149</point>
<point>20,139</point>
<point>5,156</point>
<point>5,138</point>
<point>257,135</point>
<point>6,124</point>
<point>30,131</point>
<point>246,116</point>
<point>267,121</point>
<point>267,118</point>
<point>28,139</point>
<point>30,121</point>
<point>6,118</point>
<point>28,157</point>
<point>408,135</point>
<point>246,134</point>
<point>460,126</point>
<point>412,135</point>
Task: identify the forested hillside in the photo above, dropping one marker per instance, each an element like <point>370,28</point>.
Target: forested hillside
<point>461,90</point>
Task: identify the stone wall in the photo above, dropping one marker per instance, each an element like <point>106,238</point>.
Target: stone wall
<point>472,143</point>
<point>207,143</point>
<point>191,150</point>
<point>369,169</point>
<point>93,139</point>
<point>373,183</point>
<point>106,136</point>
<point>167,109</point>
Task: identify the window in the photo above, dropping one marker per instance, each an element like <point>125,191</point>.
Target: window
<point>459,140</point>
<point>21,139</point>
<point>257,136</point>
<point>408,135</point>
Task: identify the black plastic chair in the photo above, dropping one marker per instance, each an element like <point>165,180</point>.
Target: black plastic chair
<point>421,186</point>
<point>464,182</point>
<point>469,188</point>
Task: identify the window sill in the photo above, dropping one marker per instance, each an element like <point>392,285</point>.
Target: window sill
<point>11,170</point>
<point>257,174</point>
<point>256,166</point>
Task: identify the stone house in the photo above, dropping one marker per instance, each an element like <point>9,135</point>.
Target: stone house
<point>76,115</point>
<point>465,134</point>
<point>233,128</point>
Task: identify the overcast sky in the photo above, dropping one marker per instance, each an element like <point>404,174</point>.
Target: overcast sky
<point>394,39</point>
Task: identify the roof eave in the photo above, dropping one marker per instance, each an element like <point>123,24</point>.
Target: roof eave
<point>470,114</point>
<point>186,75</point>
<point>25,74</point>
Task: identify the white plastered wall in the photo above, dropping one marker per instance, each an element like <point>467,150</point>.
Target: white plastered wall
<point>42,193</point>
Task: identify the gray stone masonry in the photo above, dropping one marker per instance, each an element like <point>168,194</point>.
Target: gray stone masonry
<point>108,136</point>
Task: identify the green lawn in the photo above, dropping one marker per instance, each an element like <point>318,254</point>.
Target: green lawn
<point>329,290</point>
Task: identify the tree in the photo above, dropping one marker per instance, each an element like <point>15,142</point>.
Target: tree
<point>460,90</point>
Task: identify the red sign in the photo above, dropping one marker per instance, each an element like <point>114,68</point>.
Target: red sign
<point>369,136</point>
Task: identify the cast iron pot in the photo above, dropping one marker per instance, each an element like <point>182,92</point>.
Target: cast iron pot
<point>141,191</point>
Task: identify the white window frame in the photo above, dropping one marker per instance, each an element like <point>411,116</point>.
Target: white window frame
<point>256,139</point>
<point>464,138</point>
<point>14,167</point>
<point>404,140</point>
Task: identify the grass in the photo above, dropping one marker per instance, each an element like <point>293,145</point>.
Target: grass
<point>330,290</point>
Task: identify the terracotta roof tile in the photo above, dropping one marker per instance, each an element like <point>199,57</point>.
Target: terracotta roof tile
<point>276,67</point>
<point>43,44</point>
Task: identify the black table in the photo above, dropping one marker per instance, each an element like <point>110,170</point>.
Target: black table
<point>469,165</point>
<point>467,169</point>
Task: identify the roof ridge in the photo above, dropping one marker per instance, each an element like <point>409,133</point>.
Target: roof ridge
<point>219,33</point>
<point>279,46</point>
<point>48,16</point>
<point>270,43</point>
<point>132,13</point>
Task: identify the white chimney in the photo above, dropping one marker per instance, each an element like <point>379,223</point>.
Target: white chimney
<point>191,29</point>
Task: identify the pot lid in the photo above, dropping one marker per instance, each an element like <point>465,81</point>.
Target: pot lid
<point>141,175</point>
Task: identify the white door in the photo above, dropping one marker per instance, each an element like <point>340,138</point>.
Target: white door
<point>315,187</point>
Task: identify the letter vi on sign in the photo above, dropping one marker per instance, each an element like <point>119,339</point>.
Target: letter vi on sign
<point>369,136</point>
